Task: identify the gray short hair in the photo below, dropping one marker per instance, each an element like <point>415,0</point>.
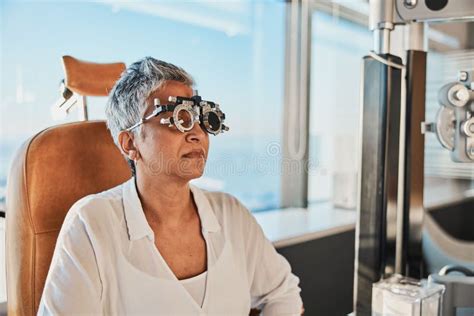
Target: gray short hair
<point>127,100</point>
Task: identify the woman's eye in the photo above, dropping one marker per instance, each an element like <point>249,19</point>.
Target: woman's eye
<point>185,119</point>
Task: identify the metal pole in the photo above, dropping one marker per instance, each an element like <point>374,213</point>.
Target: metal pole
<point>381,23</point>
<point>382,40</point>
<point>294,189</point>
<point>415,36</point>
<point>82,108</point>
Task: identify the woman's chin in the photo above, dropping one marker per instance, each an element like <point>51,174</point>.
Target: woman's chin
<point>192,173</point>
<point>191,168</point>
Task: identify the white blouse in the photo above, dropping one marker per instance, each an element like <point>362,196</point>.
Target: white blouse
<point>106,262</point>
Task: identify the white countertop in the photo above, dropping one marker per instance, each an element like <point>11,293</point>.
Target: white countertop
<point>290,226</point>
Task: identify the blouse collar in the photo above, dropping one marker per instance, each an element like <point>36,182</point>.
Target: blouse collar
<point>137,224</point>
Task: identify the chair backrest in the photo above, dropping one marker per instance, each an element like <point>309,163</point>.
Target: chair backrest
<point>50,172</point>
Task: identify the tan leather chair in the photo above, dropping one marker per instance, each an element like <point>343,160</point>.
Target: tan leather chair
<point>50,172</point>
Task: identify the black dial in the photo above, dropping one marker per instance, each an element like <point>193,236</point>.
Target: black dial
<point>436,5</point>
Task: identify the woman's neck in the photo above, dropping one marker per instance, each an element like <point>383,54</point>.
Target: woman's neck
<point>165,202</point>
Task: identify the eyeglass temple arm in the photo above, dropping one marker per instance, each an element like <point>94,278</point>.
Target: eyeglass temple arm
<point>155,112</point>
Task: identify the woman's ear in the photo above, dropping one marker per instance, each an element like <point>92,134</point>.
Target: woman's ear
<point>127,145</point>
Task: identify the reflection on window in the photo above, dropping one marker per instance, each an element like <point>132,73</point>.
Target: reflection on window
<point>337,50</point>
<point>234,50</point>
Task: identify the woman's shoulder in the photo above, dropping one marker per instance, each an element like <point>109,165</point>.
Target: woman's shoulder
<point>91,202</point>
<point>234,218</point>
<point>95,206</point>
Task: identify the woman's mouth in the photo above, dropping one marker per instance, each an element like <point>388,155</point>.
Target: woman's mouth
<point>195,154</point>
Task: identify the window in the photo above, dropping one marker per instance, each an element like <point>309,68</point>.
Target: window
<point>234,50</point>
<point>337,48</point>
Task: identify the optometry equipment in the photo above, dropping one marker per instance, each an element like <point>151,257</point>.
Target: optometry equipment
<point>187,112</point>
<point>454,125</point>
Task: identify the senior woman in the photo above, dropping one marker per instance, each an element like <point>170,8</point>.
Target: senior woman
<point>157,244</point>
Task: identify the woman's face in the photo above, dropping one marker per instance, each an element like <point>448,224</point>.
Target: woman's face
<point>165,150</point>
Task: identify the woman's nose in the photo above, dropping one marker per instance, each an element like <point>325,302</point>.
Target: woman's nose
<point>196,134</point>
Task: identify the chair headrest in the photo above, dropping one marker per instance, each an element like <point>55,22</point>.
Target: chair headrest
<point>91,79</point>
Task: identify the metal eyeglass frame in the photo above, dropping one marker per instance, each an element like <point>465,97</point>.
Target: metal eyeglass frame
<point>206,113</point>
